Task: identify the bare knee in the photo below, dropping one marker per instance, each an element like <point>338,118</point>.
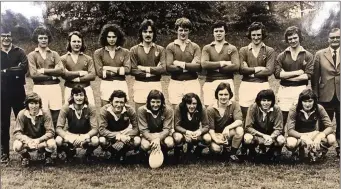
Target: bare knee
<point>280,140</point>
<point>102,141</point>
<point>59,140</point>
<point>248,138</point>
<point>178,138</point>
<point>215,148</point>
<point>331,139</point>
<point>18,146</point>
<point>291,143</point>
<point>239,132</point>
<point>51,145</point>
<point>169,142</point>
<point>137,141</point>
<point>207,138</point>
<point>145,144</point>
<point>94,141</point>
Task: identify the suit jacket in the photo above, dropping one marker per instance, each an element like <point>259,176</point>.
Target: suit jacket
<point>326,78</point>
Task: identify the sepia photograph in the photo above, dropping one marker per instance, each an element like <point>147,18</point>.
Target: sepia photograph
<point>170,94</point>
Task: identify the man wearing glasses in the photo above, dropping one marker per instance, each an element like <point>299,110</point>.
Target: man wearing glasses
<point>326,79</point>
<point>13,70</point>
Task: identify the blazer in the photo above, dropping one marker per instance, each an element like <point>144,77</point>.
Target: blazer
<point>326,77</point>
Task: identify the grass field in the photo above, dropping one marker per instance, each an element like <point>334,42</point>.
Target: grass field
<point>205,173</point>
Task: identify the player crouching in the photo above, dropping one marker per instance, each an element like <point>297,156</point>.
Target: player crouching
<point>34,131</point>
<point>225,121</point>
<point>264,126</point>
<point>82,128</point>
<point>309,128</point>
<point>118,127</point>
<point>155,121</point>
<point>191,126</point>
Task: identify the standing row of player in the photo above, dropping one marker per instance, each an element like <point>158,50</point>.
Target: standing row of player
<point>181,58</point>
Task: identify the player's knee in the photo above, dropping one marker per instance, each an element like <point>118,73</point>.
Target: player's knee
<point>59,140</point>
<point>280,140</point>
<point>248,138</point>
<point>207,138</point>
<point>137,141</point>
<point>94,141</point>
<point>331,139</point>
<point>239,132</point>
<point>51,145</point>
<point>291,143</point>
<point>18,146</point>
<point>178,138</point>
<point>169,141</point>
<point>145,145</point>
<point>102,141</point>
<point>215,148</point>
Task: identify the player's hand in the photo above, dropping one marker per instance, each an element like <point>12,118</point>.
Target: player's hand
<point>78,140</point>
<point>77,80</point>
<point>226,132</point>
<point>141,68</point>
<point>197,133</point>
<point>82,73</point>
<point>125,139</point>
<point>267,139</point>
<point>245,64</point>
<point>33,144</point>
<point>41,70</point>
<point>155,144</point>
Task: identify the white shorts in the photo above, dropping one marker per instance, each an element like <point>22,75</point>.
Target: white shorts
<point>177,89</point>
<point>288,96</point>
<point>89,94</point>
<point>248,92</point>
<point>107,87</point>
<point>51,96</point>
<point>210,87</point>
<point>142,89</point>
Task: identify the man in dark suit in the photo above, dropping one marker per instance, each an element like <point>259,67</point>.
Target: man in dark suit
<point>326,79</point>
<point>13,69</point>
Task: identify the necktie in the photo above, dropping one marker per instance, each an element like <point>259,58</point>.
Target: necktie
<point>334,57</point>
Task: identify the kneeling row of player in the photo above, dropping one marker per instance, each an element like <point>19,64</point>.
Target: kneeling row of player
<point>120,129</point>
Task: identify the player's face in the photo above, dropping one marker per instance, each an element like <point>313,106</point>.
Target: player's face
<point>219,33</point>
<point>183,33</point>
<point>118,104</point>
<point>192,106</point>
<point>223,96</point>
<point>79,98</point>
<point>294,40</point>
<point>111,38</point>
<point>265,104</point>
<point>76,43</point>
<point>33,108</point>
<point>6,39</point>
<point>307,105</point>
<point>147,35</point>
<point>155,104</point>
<point>334,40</point>
<point>43,41</point>
<point>256,36</point>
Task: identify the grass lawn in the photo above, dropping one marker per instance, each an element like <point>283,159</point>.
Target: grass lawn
<point>204,173</point>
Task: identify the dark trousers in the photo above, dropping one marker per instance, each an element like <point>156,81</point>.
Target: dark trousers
<point>11,98</point>
<point>333,107</point>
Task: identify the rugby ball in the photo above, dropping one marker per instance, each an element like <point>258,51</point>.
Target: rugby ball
<point>156,159</point>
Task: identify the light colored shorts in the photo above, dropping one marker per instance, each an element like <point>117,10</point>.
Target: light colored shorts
<point>142,89</point>
<point>210,87</point>
<point>107,87</point>
<point>288,96</point>
<point>177,89</point>
<point>89,94</point>
<point>51,96</point>
<point>248,92</point>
